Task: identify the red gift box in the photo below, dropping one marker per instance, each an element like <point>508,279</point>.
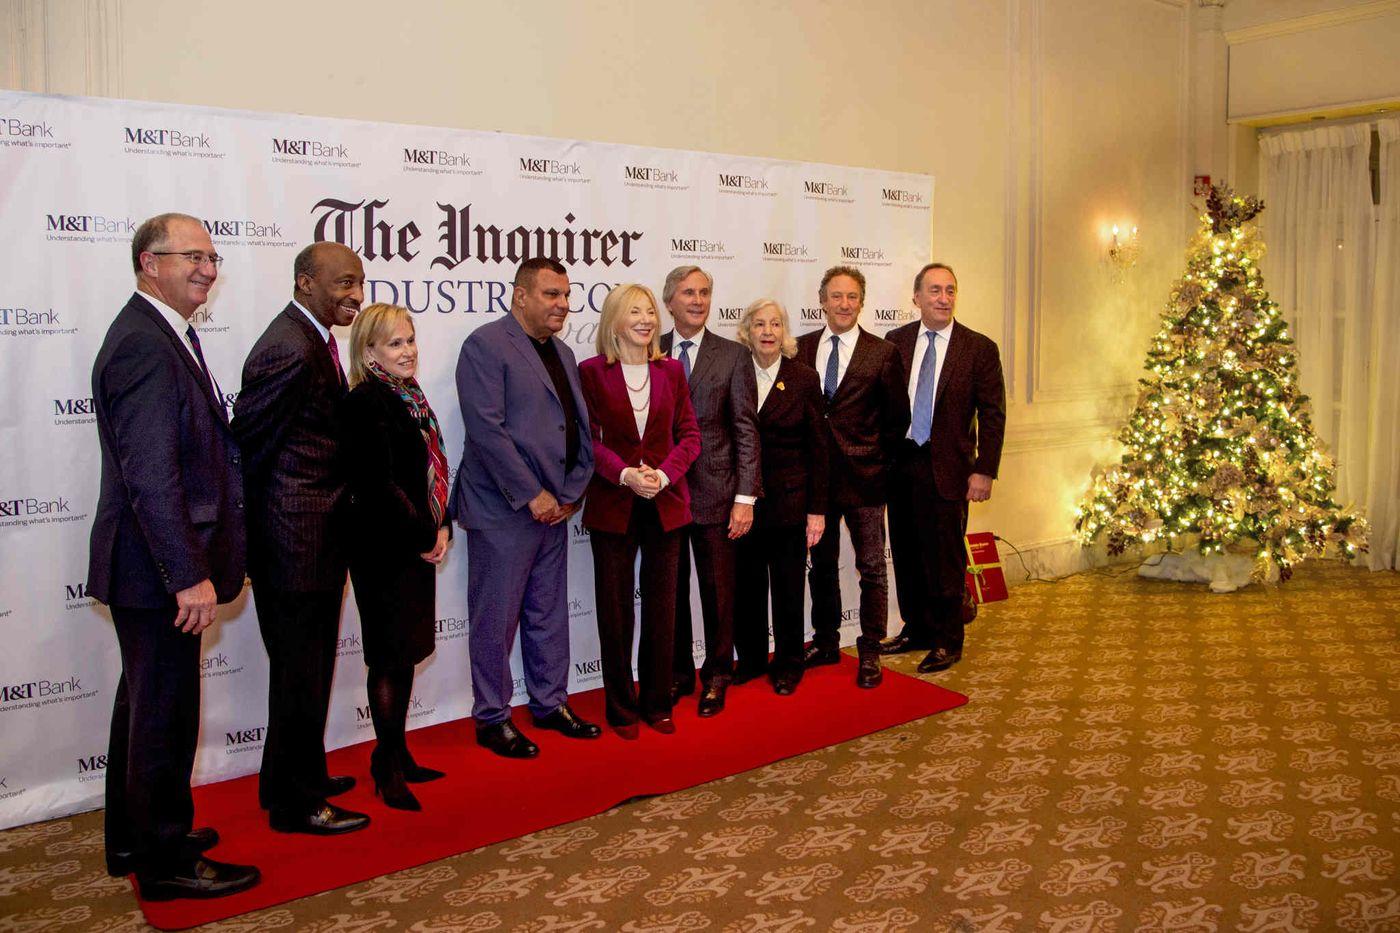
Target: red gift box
<point>984,574</point>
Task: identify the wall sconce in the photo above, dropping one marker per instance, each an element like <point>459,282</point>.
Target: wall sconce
<point>1123,251</point>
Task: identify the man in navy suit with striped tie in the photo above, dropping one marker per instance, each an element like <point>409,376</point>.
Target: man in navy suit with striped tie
<point>167,547</point>
<point>287,425</point>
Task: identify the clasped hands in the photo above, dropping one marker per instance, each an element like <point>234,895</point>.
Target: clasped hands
<point>643,480</point>
<point>547,510</point>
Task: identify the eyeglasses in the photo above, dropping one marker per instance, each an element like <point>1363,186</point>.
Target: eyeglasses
<point>197,257</point>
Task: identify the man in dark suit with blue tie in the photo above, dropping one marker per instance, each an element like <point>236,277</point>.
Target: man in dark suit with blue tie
<point>167,546</point>
<point>525,466</point>
<point>868,412</point>
<point>948,459</point>
<point>286,422</point>
<point>724,482</point>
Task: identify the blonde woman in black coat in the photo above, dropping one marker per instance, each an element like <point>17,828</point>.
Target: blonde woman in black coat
<point>399,479</point>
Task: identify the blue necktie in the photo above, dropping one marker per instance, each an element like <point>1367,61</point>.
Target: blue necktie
<point>923,395</point>
<point>833,363</point>
<point>685,357</point>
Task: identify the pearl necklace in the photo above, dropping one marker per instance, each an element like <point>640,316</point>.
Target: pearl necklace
<point>641,388</point>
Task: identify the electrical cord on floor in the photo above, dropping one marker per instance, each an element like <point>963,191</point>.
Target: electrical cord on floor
<point>1030,578</point>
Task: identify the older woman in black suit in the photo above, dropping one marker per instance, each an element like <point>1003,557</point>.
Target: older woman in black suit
<point>791,515</point>
<point>399,478</point>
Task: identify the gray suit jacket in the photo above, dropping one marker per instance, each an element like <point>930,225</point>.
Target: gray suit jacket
<point>515,428</point>
<point>724,394</point>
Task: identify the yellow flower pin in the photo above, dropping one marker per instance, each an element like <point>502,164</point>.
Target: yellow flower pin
<point>780,385</point>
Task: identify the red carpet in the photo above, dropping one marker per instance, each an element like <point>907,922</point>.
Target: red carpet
<point>486,799</point>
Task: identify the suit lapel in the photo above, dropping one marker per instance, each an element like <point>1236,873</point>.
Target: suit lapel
<point>655,376</point>
<point>521,342</point>
<point>855,370</point>
<point>773,404</point>
<point>906,347</point>
<point>615,384</point>
<point>145,308</point>
<point>704,356</point>
<point>321,346</point>
<point>952,360</point>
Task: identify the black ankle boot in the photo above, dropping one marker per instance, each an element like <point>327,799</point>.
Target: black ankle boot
<point>389,781</point>
<point>414,773</point>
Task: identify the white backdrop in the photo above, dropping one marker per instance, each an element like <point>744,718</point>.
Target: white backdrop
<point>440,217</point>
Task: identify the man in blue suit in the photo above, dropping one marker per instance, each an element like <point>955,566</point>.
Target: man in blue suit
<point>167,547</point>
<point>525,465</point>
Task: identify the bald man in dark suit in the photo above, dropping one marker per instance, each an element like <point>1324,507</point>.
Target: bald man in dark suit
<point>948,459</point>
<point>167,546</point>
<point>286,420</point>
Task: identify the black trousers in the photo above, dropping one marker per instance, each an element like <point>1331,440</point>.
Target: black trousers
<point>930,559</point>
<point>299,631</point>
<point>714,566</point>
<point>771,560</point>
<point>151,748</point>
<point>614,556</point>
<point>867,527</point>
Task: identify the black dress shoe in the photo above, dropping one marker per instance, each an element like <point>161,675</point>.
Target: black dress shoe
<point>785,683</point>
<point>567,723</point>
<point>628,731</point>
<point>743,675</point>
<point>817,655</point>
<point>869,674</point>
<point>325,820</point>
<point>682,688</point>
<point>394,789</point>
<point>712,700</point>
<point>939,659</point>
<point>665,725</point>
<point>506,740</point>
<point>339,784</point>
<point>201,839</point>
<point>200,878</point>
<point>901,643</point>
<point>386,768</point>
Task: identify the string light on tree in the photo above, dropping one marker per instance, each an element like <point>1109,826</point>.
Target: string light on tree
<point>1219,449</point>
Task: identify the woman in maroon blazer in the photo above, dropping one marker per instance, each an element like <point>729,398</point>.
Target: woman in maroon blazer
<point>791,516</point>
<point>644,439</point>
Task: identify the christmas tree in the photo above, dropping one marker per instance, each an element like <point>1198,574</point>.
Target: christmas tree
<point>1220,450</point>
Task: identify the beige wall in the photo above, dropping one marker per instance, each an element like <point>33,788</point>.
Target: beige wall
<point>1322,57</point>
<point>1044,122</point>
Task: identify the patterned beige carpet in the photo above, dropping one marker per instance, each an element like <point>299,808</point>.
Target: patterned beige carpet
<point>1136,755</point>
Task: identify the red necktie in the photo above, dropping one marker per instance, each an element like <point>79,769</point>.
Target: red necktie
<point>335,357</point>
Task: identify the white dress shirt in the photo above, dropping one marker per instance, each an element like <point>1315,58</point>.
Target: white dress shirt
<point>180,325</point>
<point>766,378</point>
<point>846,343</point>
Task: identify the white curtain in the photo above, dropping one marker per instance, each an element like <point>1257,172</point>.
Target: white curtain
<point>1321,266</point>
<point>1381,484</point>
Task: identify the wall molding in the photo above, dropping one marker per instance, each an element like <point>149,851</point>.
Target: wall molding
<point>1037,390</point>
<point>103,35</point>
<point>25,31</point>
<point>36,58</point>
<point>1289,27</point>
<point>1058,435</point>
<point>1046,560</point>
